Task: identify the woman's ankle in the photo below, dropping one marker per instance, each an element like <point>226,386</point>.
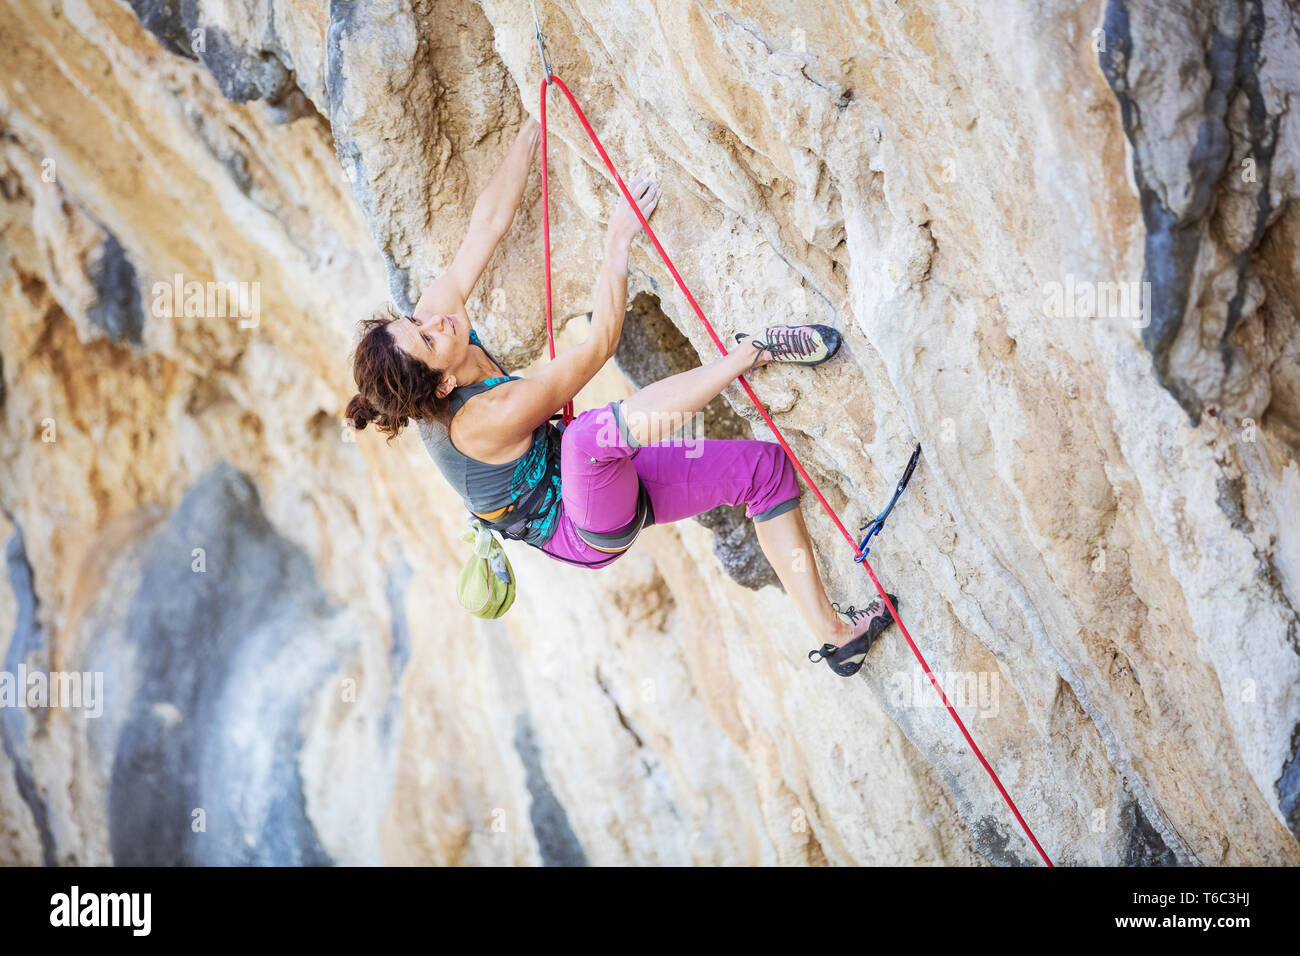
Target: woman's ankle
<point>836,632</point>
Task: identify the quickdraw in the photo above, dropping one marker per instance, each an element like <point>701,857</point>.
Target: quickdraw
<point>541,43</point>
<point>877,523</point>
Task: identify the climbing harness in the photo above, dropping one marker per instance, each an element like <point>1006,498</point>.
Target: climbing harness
<point>616,542</point>
<point>551,79</point>
<point>529,506</point>
<point>877,523</point>
<point>514,520</point>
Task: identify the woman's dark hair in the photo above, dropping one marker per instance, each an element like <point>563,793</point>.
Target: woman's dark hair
<point>392,387</point>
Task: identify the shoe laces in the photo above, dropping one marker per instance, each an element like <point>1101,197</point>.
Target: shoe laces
<point>855,614</point>
<point>784,341</point>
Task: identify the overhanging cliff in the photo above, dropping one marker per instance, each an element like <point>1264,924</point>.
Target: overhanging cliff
<point>1097,553</point>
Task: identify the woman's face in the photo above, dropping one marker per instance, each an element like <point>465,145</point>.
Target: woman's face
<point>436,341</point>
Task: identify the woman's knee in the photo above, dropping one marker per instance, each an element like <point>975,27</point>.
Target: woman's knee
<point>779,463</point>
<point>599,434</point>
<point>776,484</point>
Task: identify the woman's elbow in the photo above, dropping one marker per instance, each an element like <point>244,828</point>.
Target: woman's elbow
<point>601,345</point>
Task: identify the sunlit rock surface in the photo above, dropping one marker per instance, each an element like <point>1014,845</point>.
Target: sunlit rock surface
<point>1097,555</point>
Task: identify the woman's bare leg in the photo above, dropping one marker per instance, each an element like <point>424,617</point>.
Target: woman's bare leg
<point>785,541</point>
<point>661,408</point>
<point>656,411</point>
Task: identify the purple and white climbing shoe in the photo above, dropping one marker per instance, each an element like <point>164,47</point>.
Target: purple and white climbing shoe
<point>794,344</point>
<point>868,624</point>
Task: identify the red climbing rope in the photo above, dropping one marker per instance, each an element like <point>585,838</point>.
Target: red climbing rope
<point>681,284</point>
<point>546,235</point>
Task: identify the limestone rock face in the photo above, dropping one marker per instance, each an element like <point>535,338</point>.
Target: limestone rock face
<point>1059,241</point>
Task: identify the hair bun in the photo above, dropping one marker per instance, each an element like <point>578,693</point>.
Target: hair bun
<point>360,411</point>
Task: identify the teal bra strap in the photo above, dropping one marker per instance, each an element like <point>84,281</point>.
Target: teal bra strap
<point>474,340</point>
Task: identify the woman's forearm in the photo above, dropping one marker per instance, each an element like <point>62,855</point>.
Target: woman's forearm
<point>611,295</point>
<point>611,291</point>
<point>500,198</point>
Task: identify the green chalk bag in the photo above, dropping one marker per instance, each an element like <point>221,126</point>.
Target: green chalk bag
<point>487,582</point>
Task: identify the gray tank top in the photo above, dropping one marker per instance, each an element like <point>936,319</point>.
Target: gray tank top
<point>488,490</point>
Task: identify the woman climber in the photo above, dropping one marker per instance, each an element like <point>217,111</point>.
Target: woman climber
<point>582,493</point>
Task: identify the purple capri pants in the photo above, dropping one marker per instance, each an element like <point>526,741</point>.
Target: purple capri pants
<point>600,465</point>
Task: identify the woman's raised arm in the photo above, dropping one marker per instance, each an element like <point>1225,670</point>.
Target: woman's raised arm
<point>522,406</point>
<point>493,212</point>
<point>611,288</point>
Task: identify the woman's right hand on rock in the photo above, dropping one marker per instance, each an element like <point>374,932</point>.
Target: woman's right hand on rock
<point>624,225</point>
